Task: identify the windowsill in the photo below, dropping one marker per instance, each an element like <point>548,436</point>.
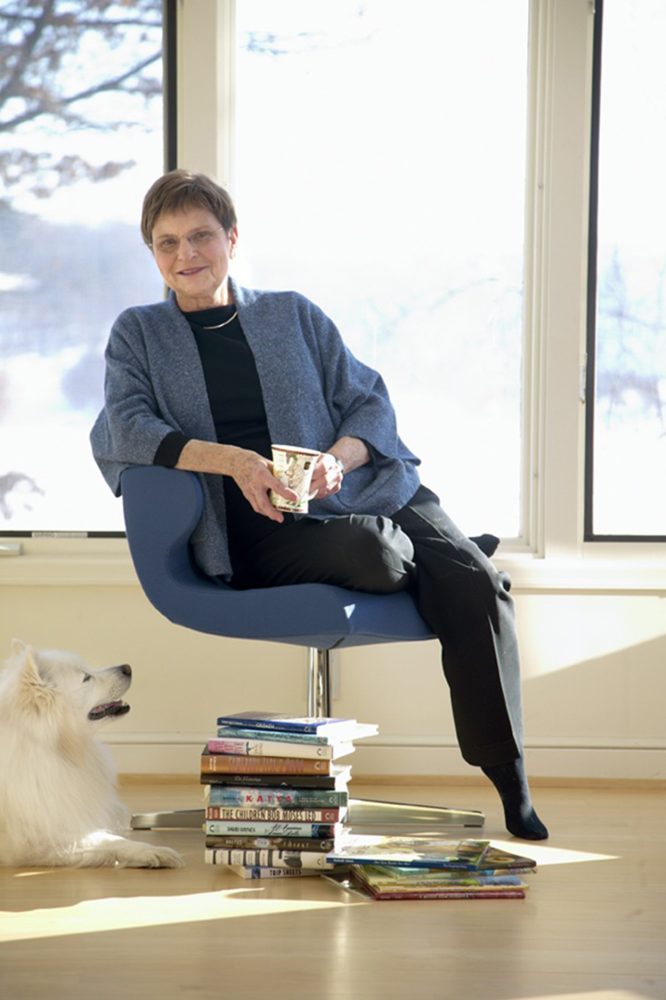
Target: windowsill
<point>106,563</point>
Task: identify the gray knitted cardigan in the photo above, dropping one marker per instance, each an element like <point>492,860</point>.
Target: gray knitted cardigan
<point>315,391</point>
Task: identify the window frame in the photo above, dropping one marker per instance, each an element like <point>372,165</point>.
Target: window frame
<point>589,534</point>
<point>553,554</point>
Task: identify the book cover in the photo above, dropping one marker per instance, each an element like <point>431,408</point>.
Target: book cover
<point>499,859</point>
<point>321,845</point>
<point>275,814</point>
<point>395,878</point>
<point>267,858</point>
<point>278,748</point>
<point>256,871</point>
<point>420,852</point>
<point>359,731</point>
<point>337,780</point>
<point>283,798</point>
<point>341,729</point>
<point>214,763</point>
<point>271,829</point>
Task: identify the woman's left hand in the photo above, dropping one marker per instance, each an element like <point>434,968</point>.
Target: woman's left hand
<point>326,478</point>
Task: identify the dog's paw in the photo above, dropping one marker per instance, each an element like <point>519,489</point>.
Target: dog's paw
<point>138,854</point>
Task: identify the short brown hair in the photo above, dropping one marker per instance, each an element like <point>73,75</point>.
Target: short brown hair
<point>179,190</point>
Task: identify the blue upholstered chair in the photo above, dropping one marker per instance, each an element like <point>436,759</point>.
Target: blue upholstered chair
<point>162,507</point>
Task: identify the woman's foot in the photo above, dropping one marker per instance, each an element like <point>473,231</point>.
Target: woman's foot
<point>510,781</point>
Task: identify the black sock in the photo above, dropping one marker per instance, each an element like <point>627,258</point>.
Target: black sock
<point>510,781</point>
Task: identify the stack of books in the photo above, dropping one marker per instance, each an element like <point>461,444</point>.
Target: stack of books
<point>427,868</point>
<point>276,795</point>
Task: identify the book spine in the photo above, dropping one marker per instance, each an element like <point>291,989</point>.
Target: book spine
<point>239,732</point>
<point>268,748</point>
<point>321,846</point>
<point>255,871</point>
<point>318,781</point>
<point>453,894</point>
<point>266,857</point>
<point>237,828</point>
<point>237,763</point>
<point>273,815</point>
<point>286,798</point>
<point>272,725</point>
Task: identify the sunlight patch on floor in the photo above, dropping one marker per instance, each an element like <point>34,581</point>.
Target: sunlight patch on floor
<point>544,855</point>
<point>113,914</point>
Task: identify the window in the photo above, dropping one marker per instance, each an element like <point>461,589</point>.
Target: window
<point>380,169</point>
<point>626,439</point>
<point>81,139</point>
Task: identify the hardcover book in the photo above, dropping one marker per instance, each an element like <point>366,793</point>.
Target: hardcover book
<point>339,729</point>
<point>220,763</point>
<point>278,748</point>
<point>274,814</point>
<point>419,852</point>
<point>283,798</point>
<point>337,780</point>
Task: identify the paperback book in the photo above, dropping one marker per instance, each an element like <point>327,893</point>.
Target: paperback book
<point>314,845</point>
<point>230,828</point>
<point>267,857</point>
<point>256,871</point>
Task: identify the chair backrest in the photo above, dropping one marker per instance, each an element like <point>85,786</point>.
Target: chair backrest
<point>163,506</point>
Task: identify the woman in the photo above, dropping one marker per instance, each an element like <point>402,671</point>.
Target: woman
<point>205,380</point>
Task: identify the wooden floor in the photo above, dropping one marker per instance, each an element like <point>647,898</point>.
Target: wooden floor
<point>593,924</point>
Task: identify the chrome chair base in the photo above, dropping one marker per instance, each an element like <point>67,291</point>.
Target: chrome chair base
<point>364,814</point>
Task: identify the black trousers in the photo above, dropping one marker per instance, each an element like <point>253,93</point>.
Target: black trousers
<point>459,593</point>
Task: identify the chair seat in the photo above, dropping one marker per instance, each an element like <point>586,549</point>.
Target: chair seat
<point>163,506</point>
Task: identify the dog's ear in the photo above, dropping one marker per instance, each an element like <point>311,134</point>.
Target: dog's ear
<point>18,647</point>
<point>35,694</point>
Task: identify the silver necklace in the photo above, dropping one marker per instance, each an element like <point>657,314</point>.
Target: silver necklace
<point>218,326</point>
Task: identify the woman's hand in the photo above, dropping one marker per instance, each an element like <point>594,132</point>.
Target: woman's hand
<point>252,473</point>
<point>326,478</point>
<point>254,477</point>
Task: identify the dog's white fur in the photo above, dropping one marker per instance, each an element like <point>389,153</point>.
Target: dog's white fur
<point>58,799</point>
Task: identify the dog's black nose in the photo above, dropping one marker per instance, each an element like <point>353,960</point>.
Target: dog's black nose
<point>125,669</point>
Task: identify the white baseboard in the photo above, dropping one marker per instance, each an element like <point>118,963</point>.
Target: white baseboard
<point>163,754</point>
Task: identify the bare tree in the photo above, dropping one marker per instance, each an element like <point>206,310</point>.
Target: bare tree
<point>45,83</point>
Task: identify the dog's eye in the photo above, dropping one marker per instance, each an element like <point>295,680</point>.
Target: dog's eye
<point>87,677</point>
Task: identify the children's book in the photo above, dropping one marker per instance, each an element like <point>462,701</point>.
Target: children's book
<point>337,780</point>
<point>267,858</point>
<point>418,852</point>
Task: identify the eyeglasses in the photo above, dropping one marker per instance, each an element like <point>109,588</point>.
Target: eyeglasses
<point>169,244</point>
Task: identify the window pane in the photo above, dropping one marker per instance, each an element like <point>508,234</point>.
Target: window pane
<point>380,170</point>
<point>629,482</point>
<point>80,141</point>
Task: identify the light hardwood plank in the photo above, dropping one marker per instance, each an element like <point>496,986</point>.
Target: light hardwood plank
<point>593,926</point>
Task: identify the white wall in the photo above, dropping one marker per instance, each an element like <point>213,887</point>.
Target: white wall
<point>593,666</point>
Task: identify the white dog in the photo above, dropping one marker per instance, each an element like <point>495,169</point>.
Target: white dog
<point>58,800</point>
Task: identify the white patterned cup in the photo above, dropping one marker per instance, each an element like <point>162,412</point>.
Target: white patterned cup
<point>293,466</point>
